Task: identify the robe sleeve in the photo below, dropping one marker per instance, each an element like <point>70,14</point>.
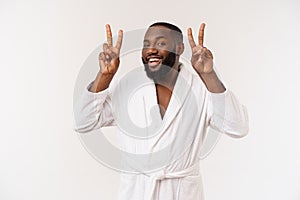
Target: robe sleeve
<point>227,115</point>
<point>93,111</point>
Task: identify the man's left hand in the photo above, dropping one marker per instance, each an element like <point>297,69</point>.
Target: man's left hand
<point>202,58</point>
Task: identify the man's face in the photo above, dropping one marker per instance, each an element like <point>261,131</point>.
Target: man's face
<point>159,52</point>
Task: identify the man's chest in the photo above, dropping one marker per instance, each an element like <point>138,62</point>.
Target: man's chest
<point>163,99</point>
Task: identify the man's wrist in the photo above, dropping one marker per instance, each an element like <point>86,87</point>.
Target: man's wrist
<point>208,75</point>
<point>212,82</point>
<point>101,82</point>
<point>105,76</point>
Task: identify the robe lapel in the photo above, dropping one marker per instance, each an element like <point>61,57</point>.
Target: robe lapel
<point>181,89</point>
<point>145,108</point>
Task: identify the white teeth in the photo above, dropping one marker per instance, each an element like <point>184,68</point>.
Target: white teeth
<point>153,60</point>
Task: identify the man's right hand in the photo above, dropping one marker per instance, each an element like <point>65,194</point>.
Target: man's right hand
<point>109,58</point>
<point>109,62</point>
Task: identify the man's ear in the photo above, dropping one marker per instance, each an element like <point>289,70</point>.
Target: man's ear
<point>180,49</point>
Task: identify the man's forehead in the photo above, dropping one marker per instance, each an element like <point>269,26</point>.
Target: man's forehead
<point>158,31</point>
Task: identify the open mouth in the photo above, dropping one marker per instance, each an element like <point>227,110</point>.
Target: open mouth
<point>154,62</point>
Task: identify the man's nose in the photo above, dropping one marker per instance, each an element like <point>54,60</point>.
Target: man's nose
<point>152,50</point>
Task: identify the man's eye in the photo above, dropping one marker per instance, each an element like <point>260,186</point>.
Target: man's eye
<point>146,45</point>
<point>160,44</point>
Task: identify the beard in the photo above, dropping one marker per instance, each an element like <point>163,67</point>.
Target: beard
<point>166,66</point>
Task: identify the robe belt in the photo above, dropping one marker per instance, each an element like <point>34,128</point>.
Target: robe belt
<point>152,193</point>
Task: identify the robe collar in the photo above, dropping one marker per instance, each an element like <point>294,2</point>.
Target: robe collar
<point>180,92</point>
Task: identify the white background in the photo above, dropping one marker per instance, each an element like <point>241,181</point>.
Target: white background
<point>43,45</point>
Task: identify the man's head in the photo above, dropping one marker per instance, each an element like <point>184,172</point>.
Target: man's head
<point>162,46</point>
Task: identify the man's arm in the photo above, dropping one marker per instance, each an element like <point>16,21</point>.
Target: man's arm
<point>225,113</point>
<point>94,109</point>
<point>109,62</point>
<point>101,82</point>
<point>202,61</point>
<point>212,82</point>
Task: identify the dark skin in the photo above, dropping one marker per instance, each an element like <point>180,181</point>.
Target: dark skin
<point>201,60</point>
<point>158,42</point>
<point>163,98</point>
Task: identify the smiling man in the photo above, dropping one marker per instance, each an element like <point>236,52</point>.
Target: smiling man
<point>188,104</point>
<point>162,46</point>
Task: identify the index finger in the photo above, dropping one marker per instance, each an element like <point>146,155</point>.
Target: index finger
<point>191,38</point>
<point>108,35</point>
<point>201,34</point>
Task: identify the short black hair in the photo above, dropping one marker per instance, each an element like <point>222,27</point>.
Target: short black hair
<point>171,27</point>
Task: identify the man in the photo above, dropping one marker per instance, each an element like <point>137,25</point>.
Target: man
<point>188,105</point>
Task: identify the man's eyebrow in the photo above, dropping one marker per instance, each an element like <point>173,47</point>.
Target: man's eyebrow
<point>158,37</point>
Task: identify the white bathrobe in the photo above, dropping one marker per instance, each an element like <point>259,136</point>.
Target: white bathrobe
<point>171,146</point>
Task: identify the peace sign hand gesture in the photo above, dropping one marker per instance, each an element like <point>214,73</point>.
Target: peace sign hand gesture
<point>202,58</point>
<point>109,59</point>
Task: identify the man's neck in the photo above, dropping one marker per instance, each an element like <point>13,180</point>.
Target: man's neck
<point>169,82</point>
